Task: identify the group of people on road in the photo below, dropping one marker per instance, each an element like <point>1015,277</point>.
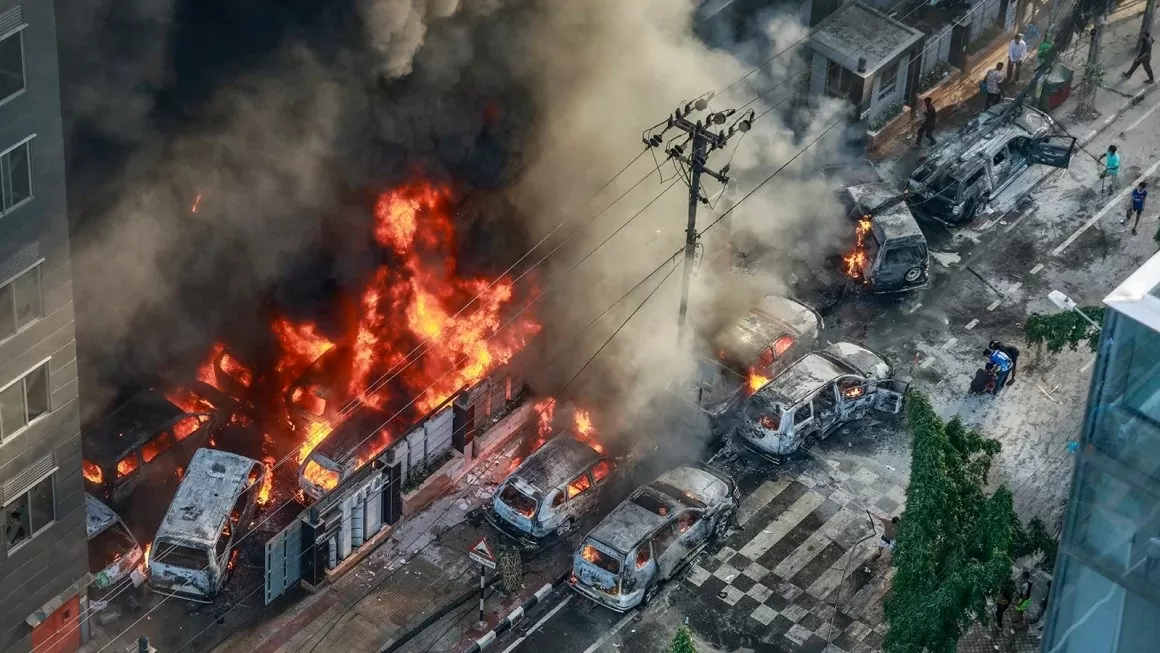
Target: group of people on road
<point>1021,597</point>
<point>1110,183</point>
<point>999,370</point>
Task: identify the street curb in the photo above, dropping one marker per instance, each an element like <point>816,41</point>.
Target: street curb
<point>1136,99</point>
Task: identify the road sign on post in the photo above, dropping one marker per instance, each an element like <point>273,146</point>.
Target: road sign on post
<point>481,553</point>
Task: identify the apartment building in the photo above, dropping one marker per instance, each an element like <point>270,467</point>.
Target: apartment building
<point>1106,594</point>
<point>43,558</point>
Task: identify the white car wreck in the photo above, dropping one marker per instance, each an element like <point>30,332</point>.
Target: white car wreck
<point>815,396</point>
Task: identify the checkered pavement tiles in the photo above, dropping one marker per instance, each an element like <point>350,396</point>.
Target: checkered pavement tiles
<point>800,540</point>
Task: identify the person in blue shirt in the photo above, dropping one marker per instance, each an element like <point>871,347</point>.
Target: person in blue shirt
<point>1139,194</point>
<point>1002,363</point>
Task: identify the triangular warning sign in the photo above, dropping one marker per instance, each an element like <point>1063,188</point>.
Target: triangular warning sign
<point>482,550</point>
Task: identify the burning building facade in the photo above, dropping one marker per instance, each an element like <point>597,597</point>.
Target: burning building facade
<point>43,557</point>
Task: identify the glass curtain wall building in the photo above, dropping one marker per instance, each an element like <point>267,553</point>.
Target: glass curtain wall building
<point>1106,593</point>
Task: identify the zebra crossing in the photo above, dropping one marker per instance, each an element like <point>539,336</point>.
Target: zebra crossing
<point>801,571</point>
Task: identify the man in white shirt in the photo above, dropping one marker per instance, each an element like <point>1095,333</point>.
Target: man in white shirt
<point>1016,53</point>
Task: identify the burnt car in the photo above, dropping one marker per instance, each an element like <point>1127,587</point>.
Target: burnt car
<point>195,547</point>
<point>814,397</point>
<point>147,440</point>
<point>652,536</point>
<point>769,336</point>
<point>552,490</point>
<point>113,551</point>
<point>359,438</point>
<point>320,394</point>
<point>892,255</point>
<point>970,168</point>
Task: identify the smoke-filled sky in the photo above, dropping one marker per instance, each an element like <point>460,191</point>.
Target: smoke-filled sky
<point>281,115</point>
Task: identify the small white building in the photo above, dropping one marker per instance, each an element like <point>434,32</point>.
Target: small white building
<point>864,56</point>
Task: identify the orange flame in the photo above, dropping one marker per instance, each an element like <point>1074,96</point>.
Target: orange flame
<point>756,381</point>
<point>314,437</point>
<point>196,204</point>
<point>92,472</point>
<point>857,258</point>
<point>320,476</point>
<point>145,558</point>
<point>267,481</point>
<point>853,392</point>
<point>585,432</point>
<point>770,422</point>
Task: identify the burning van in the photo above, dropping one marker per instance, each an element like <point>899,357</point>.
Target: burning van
<point>113,551</point>
<point>553,489</point>
<point>195,547</point>
<point>890,253</point>
<point>147,440</point>
<point>319,395</point>
<point>815,396</point>
<point>359,438</point>
<point>653,535</point>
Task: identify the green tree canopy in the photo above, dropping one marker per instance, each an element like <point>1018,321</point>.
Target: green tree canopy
<point>683,642</point>
<point>955,543</point>
<point>1064,329</point>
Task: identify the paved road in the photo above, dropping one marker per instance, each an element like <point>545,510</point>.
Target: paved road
<point>774,584</point>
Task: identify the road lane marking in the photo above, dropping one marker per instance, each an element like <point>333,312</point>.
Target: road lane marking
<point>994,304</point>
<point>914,308</point>
<point>1036,269</point>
<point>1087,364</point>
<point>541,622</point>
<point>1015,286</point>
<point>1118,200</point>
<point>609,635</point>
<point>927,363</point>
<point>780,527</point>
<point>949,343</point>
<point>1143,117</point>
<point>971,325</point>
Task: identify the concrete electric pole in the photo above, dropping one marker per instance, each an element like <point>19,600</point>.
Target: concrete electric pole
<point>1093,73</point>
<point>701,141</point>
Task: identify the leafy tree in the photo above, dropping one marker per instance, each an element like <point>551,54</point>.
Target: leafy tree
<point>1034,539</point>
<point>1064,329</point>
<point>683,642</point>
<point>955,543</point>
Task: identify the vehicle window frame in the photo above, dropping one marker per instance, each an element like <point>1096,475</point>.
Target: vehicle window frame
<point>808,406</point>
<point>915,248</point>
<point>136,455</point>
<point>166,437</point>
<point>699,515</point>
<point>558,498</point>
<point>582,475</point>
<point>653,541</point>
<point>611,464</point>
<point>645,546</point>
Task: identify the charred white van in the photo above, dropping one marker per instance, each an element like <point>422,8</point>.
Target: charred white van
<point>194,548</point>
<point>113,551</point>
<point>814,397</point>
<point>550,492</point>
<point>652,535</point>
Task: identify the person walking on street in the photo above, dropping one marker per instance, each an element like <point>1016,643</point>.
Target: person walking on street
<point>1023,600</point>
<point>1016,54</point>
<point>889,530</point>
<point>1111,173</point>
<point>1139,194</point>
<point>1002,364</point>
<point>1143,58</point>
<point>993,85</point>
<point>1003,601</point>
<point>927,126</point>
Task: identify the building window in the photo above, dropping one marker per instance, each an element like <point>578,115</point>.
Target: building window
<point>840,83</point>
<point>11,65</point>
<point>21,302</point>
<point>16,173</point>
<point>29,514</point>
<point>889,82</point>
<point>23,401</point>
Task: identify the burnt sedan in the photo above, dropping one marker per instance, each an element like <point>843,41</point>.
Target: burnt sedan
<point>551,491</point>
<point>652,536</point>
<point>814,397</point>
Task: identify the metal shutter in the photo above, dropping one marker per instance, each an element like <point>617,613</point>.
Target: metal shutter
<point>11,20</point>
<point>23,482</point>
<point>19,262</point>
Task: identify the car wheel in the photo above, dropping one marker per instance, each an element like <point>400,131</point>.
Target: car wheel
<point>913,274</point>
<point>567,527</point>
<point>724,523</point>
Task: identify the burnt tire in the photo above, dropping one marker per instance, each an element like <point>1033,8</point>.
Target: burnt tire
<point>563,530</point>
<point>721,529</point>
<point>913,274</point>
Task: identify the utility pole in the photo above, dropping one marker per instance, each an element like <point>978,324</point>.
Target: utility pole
<point>701,141</point>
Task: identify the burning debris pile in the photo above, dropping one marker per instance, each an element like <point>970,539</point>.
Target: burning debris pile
<point>420,333</point>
